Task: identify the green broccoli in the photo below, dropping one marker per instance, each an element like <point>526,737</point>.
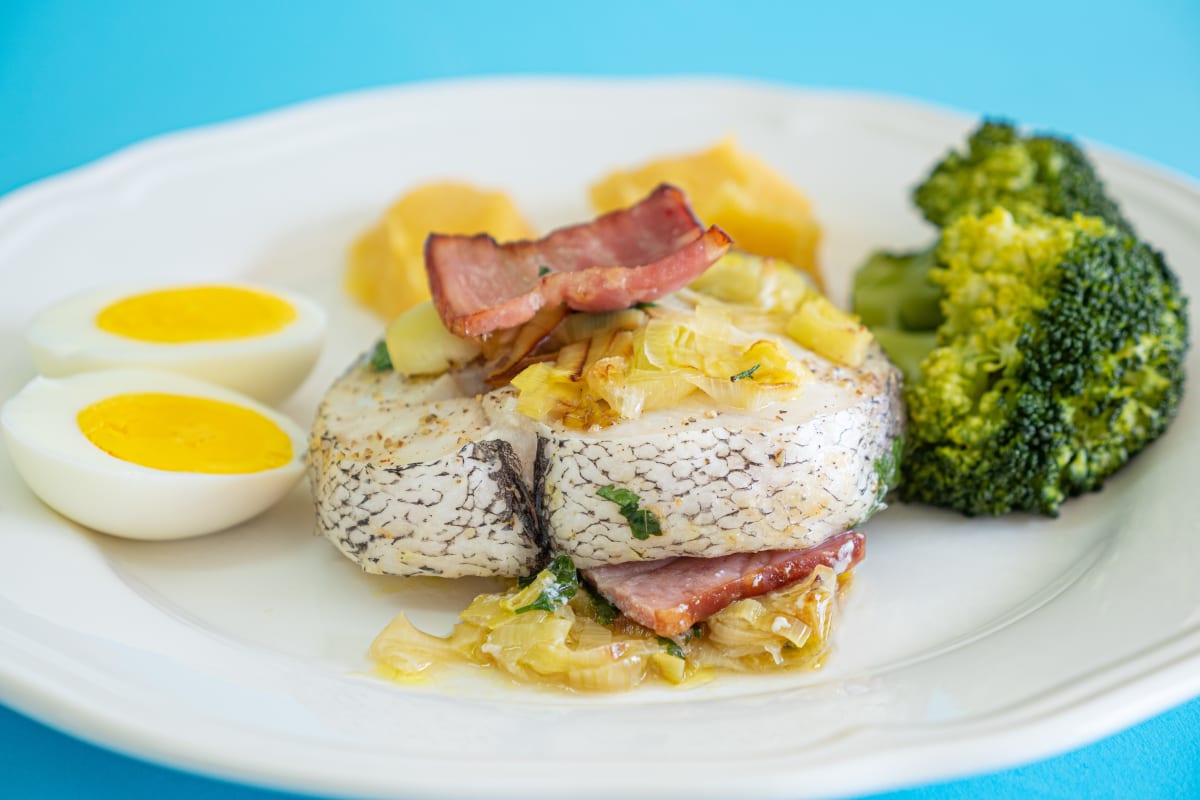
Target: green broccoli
<point>894,297</point>
<point>1026,175</point>
<point>1056,349</point>
<point>1060,357</point>
<point>1029,176</point>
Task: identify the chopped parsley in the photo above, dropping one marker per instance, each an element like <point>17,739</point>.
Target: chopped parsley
<point>543,271</point>
<point>887,472</point>
<point>675,646</point>
<point>746,373</point>
<point>672,647</point>
<point>562,587</point>
<point>381,360</point>
<point>642,523</point>
<point>622,497</point>
<point>644,305</point>
<point>606,613</point>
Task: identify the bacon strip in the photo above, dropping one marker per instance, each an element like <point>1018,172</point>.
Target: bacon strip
<point>634,255</point>
<point>671,595</point>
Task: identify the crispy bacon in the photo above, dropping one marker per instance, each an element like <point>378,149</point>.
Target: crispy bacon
<point>634,255</point>
<point>673,594</point>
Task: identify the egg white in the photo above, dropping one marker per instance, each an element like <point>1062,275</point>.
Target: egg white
<point>82,482</point>
<point>65,340</point>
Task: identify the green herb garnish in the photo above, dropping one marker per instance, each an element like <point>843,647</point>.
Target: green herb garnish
<point>543,271</point>
<point>887,472</point>
<point>381,360</point>
<point>672,647</point>
<point>644,305</point>
<point>606,613</point>
<point>642,523</point>
<point>746,373</point>
<point>622,497</point>
<point>562,587</point>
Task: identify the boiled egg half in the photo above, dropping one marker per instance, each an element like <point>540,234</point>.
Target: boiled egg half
<point>150,455</point>
<point>258,341</point>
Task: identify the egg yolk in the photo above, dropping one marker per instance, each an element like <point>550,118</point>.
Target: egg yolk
<point>185,434</point>
<point>196,314</point>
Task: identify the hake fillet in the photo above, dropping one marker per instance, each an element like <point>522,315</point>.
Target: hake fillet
<point>726,481</point>
<point>428,476</point>
<point>425,476</point>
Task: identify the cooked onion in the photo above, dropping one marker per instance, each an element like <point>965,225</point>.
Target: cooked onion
<point>570,647</point>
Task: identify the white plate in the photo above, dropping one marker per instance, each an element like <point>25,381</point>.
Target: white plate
<point>967,645</point>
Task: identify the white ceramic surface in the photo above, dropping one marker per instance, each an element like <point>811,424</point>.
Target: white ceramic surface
<point>966,645</point>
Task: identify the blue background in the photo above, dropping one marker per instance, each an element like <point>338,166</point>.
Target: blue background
<point>81,79</point>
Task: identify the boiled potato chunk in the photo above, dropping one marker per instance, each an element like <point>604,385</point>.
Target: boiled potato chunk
<point>764,213</point>
<point>419,344</point>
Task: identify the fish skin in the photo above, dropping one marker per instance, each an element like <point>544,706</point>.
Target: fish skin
<point>725,482</point>
<point>719,482</point>
<point>424,476</point>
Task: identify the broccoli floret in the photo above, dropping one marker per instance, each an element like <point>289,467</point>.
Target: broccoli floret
<point>1026,175</point>
<point>1060,357</point>
<point>894,297</point>
<point>893,290</point>
<point>1056,352</point>
<point>1030,176</point>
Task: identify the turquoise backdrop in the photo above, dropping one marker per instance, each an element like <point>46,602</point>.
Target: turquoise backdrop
<point>81,79</point>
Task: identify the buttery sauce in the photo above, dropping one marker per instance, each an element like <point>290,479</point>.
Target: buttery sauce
<point>537,635</point>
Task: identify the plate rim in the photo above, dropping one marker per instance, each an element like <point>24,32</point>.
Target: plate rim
<point>1156,690</point>
<point>280,114</point>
